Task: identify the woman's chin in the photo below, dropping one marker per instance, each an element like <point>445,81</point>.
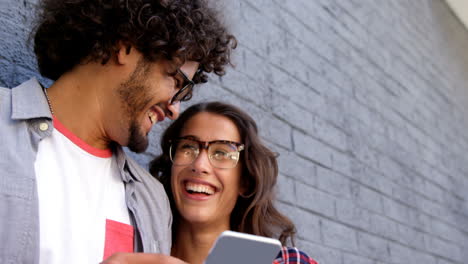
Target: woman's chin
<point>196,219</point>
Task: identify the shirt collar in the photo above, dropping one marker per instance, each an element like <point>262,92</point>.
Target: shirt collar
<point>29,101</point>
<point>126,165</point>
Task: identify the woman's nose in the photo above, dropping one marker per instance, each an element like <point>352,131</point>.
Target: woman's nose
<point>202,163</point>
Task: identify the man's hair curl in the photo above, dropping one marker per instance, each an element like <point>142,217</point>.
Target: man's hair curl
<point>70,32</point>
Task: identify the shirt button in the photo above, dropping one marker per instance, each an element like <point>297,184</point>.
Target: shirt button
<point>43,126</point>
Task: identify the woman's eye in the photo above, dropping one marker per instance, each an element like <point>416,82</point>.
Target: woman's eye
<point>220,155</point>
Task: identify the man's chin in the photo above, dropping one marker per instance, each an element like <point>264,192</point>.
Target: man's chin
<point>138,147</point>
<point>138,142</point>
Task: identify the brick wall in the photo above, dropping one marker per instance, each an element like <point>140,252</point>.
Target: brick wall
<point>367,104</point>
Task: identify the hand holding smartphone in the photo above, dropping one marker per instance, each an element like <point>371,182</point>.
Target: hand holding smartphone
<point>234,248</point>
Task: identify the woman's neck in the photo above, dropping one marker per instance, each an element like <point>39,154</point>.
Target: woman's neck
<point>193,242</point>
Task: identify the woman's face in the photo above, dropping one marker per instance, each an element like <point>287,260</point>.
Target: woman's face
<point>202,193</point>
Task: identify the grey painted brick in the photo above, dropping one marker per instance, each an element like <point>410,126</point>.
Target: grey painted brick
<point>445,249</point>
<point>384,227</point>
<point>424,258</point>
<point>370,177</point>
<point>286,189</point>
<point>274,130</point>
<point>436,210</point>
<point>405,195</point>
<point>401,254</point>
<point>338,235</point>
<point>298,92</point>
<point>296,116</point>
<point>350,213</point>
<point>308,226</point>
<point>321,253</point>
<point>292,15</point>
<point>333,112</point>
<point>447,232</point>
<point>342,163</point>
<point>354,259</point>
<point>332,182</point>
<point>392,169</point>
<point>395,210</point>
<point>312,149</point>
<point>443,261</point>
<point>255,90</point>
<point>329,134</point>
<point>361,113</point>
<point>297,167</point>
<point>372,246</point>
<point>411,237</point>
<point>367,198</point>
<point>419,220</point>
<point>364,153</point>
<point>453,200</point>
<point>434,175</point>
<point>315,200</point>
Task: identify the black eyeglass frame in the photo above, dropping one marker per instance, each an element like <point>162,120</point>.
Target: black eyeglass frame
<point>186,88</point>
<point>205,145</point>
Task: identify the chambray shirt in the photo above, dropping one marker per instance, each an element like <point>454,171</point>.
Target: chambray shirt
<point>25,119</point>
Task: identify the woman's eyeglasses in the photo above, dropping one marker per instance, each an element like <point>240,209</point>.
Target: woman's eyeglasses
<point>222,154</point>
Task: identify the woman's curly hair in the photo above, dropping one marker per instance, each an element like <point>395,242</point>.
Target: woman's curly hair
<point>70,32</point>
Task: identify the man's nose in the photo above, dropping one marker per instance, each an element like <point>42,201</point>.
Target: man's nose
<point>173,110</point>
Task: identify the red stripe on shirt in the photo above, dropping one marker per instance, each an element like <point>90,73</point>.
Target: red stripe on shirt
<point>101,153</point>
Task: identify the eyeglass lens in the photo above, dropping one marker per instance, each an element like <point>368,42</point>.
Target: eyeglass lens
<point>184,93</point>
<point>221,154</point>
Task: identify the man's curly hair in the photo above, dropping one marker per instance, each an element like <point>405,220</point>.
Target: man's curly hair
<point>69,32</point>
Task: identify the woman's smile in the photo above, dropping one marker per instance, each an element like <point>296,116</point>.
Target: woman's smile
<point>198,190</point>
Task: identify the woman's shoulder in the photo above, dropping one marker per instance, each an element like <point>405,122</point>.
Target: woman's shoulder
<point>293,255</point>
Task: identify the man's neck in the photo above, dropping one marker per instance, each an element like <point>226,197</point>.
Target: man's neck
<point>74,99</point>
<point>193,242</point>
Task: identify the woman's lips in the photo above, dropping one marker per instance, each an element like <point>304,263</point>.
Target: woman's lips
<point>198,190</point>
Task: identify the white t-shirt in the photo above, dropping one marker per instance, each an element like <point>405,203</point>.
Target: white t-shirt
<point>82,211</point>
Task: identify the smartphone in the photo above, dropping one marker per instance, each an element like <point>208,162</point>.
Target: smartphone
<point>234,248</point>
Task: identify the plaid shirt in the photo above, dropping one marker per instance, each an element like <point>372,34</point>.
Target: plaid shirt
<point>290,255</point>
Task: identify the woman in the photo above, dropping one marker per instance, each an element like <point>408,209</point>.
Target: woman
<point>219,176</point>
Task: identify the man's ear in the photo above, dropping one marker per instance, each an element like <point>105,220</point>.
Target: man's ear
<point>125,53</point>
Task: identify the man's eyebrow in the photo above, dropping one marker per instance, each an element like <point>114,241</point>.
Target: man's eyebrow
<point>180,69</point>
<point>184,75</point>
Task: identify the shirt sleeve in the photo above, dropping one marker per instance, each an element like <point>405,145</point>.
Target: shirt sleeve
<point>290,255</point>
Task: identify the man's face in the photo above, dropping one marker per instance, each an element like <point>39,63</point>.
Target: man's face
<point>144,98</point>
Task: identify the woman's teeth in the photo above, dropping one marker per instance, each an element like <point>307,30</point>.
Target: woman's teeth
<point>152,116</point>
<point>199,188</point>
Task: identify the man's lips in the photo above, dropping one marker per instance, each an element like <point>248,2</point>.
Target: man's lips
<point>155,113</point>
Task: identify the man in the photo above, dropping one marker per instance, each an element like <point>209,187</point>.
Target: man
<point>68,193</point>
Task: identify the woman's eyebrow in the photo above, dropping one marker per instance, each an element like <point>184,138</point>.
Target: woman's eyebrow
<point>215,140</point>
<point>191,136</point>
